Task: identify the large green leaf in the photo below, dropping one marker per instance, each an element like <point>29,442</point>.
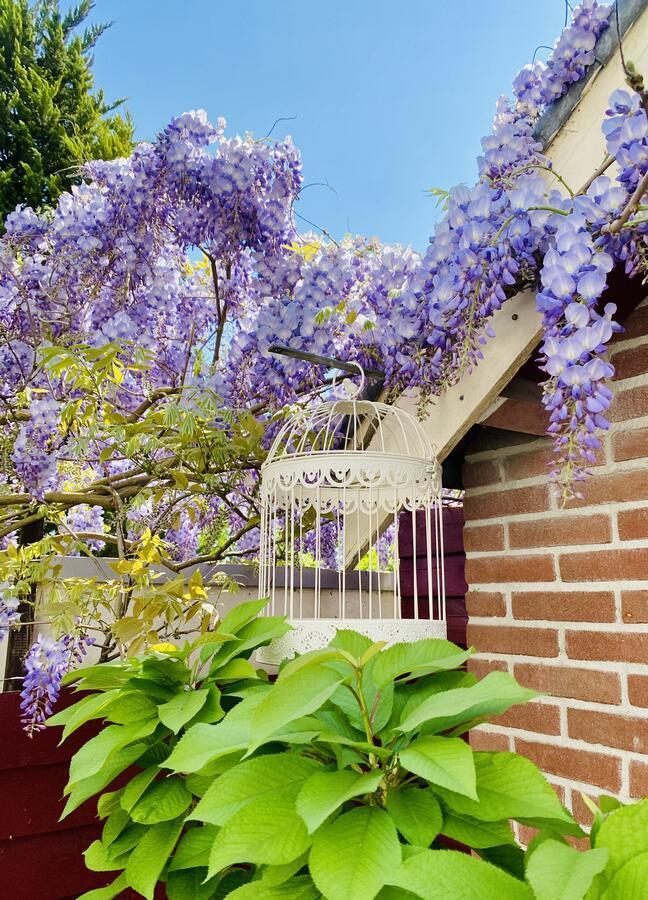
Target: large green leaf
<point>182,708</point>
<point>443,761</point>
<point>324,792</point>
<point>474,833</point>
<point>291,698</point>
<point>557,871</point>
<point>262,777</point>
<point>136,786</point>
<point>491,696</point>
<point>260,833</point>
<point>131,708</point>
<point>190,884</point>
<point>150,856</point>
<point>202,744</point>
<point>300,888</point>
<point>509,787</point>
<point>97,752</point>
<point>194,848</point>
<point>416,659</point>
<point>416,813</point>
<point>162,801</point>
<point>106,893</point>
<point>450,875</point>
<point>630,881</point>
<point>354,856</point>
<point>88,787</point>
<point>351,642</point>
<point>240,615</point>
<point>624,834</point>
<point>91,707</point>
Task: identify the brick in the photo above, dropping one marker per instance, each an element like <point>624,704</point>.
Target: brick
<point>488,740</point>
<point>638,691</point>
<point>577,684</point>
<point>580,811</point>
<point>481,667</point>
<point>612,730</point>
<point>630,444</point>
<point>631,362</point>
<point>625,647</point>
<point>561,531</point>
<point>600,769</point>
<point>615,487</point>
<point>484,537</point>
<point>529,464</point>
<point>633,524</point>
<point>630,404</point>
<point>635,326</point>
<point>482,472</point>
<point>505,568</point>
<point>485,603</point>
<point>543,718</point>
<point>564,606</point>
<point>638,778</point>
<point>495,504</point>
<point>541,642</point>
<point>634,606</point>
<point>605,565</point>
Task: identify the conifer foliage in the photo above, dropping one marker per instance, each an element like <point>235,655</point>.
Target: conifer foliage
<point>51,120</point>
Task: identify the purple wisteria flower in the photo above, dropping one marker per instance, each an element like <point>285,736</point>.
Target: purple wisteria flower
<point>9,615</point>
<point>45,665</point>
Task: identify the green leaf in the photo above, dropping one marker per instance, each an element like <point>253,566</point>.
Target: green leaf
<point>115,765</point>
<point>194,848</point>
<point>351,642</point>
<point>450,875</point>
<point>99,858</point>
<point>203,744</point>
<point>273,875</point>
<point>309,659</point>
<point>260,833</point>
<point>291,698</point>
<point>274,775</point>
<point>91,707</point>
<point>212,710</point>
<point>106,893</point>
<point>101,677</point>
<point>240,615</point>
<point>190,884</point>
<point>91,758</point>
<point>353,857</point>
<point>132,707</point>
<point>493,695</point>
<point>136,787</point>
<point>162,801</point>
<point>301,888</point>
<point>416,659</point>
<point>629,882</point>
<point>182,708</point>
<point>324,792</point>
<point>115,824</point>
<point>624,834</point>
<point>509,787</point>
<point>150,856</point>
<point>416,814</point>
<point>443,761</point>
<point>234,670</point>
<point>474,833</point>
<point>557,871</point>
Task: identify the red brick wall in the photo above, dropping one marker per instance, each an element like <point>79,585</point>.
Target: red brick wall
<point>559,597</point>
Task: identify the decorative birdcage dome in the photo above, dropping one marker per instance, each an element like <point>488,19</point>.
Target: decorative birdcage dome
<point>338,475</point>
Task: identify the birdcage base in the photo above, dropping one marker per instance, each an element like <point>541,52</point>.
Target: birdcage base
<point>313,634</point>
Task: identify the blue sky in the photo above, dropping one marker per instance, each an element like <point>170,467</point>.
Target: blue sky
<point>390,97</point>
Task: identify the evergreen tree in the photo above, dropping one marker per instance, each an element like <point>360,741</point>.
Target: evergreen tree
<point>51,121</point>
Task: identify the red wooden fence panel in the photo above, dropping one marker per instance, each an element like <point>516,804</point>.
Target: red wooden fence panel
<point>40,857</point>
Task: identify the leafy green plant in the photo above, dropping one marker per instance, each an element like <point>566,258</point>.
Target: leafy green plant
<point>344,779</point>
<point>147,703</point>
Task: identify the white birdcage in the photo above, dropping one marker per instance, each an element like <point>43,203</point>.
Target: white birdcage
<point>339,474</point>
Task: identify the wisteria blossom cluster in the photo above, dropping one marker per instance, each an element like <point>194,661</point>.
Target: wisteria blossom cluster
<point>47,662</point>
<point>181,266</point>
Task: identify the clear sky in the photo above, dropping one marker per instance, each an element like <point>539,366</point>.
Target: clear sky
<point>390,96</point>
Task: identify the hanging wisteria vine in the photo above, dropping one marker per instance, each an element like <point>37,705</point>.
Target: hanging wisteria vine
<point>144,305</point>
